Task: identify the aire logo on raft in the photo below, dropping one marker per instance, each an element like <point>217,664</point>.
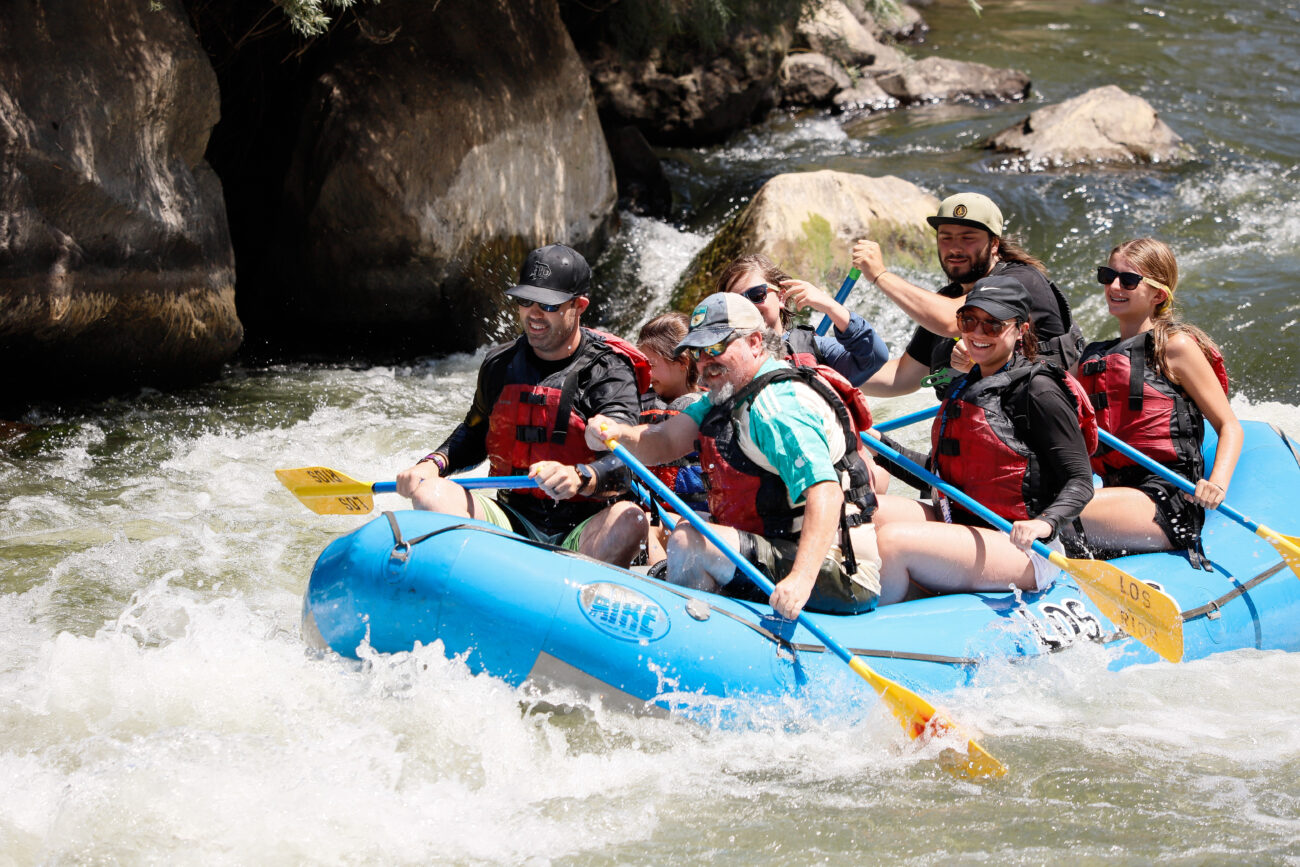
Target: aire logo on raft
<point>623,612</point>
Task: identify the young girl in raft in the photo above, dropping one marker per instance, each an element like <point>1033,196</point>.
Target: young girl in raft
<point>1009,433</point>
<point>1152,387</point>
<point>672,380</point>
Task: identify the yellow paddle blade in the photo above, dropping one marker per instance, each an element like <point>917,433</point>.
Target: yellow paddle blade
<point>918,717</point>
<point>326,491</point>
<point>1149,615</point>
<point>1287,546</point>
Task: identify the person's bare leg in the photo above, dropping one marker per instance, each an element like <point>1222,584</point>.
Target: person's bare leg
<point>615,534</point>
<point>447,497</point>
<point>948,558</point>
<point>1123,519</point>
<point>694,562</point>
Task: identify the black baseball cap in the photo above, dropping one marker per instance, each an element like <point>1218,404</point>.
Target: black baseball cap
<point>552,275</point>
<point>1001,297</point>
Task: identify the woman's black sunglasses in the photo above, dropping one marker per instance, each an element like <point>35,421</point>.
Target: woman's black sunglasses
<point>757,293</point>
<point>1128,279</point>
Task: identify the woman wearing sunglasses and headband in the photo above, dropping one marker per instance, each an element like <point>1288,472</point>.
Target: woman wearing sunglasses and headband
<point>1153,387</point>
<point>1013,434</point>
<point>855,352</point>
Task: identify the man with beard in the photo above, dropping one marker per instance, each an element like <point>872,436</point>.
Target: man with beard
<point>787,485</point>
<point>529,414</point>
<point>969,232</point>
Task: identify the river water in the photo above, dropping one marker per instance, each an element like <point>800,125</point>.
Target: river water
<point>157,704</point>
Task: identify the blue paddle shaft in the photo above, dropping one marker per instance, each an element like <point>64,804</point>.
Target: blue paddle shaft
<point>952,493</point>
<point>502,482</point>
<point>666,494</point>
<point>840,297</point>
<point>905,420</point>
<point>1170,476</point>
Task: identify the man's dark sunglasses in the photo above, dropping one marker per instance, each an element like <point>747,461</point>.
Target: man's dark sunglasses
<point>547,308</point>
<point>1128,279</point>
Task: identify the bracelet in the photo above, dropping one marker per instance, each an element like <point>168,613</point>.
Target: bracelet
<point>876,282</point>
<point>438,459</point>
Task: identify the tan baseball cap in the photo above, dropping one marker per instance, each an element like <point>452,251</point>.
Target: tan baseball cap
<point>969,209</point>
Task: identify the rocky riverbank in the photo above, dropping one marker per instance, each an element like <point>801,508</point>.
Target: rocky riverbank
<point>172,175</point>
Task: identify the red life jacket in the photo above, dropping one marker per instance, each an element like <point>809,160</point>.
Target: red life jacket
<point>977,441</point>
<point>746,496</point>
<point>1142,408</point>
<point>535,421</point>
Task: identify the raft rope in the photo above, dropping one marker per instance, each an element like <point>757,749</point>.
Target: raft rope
<point>402,551</point>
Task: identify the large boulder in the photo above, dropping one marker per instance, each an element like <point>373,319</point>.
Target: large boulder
<point>115,258</point>
<point>937,79</point>
<point>436,150</point>
<point>690,99</point>
<point>1104,125</point>
<point>807,222</point>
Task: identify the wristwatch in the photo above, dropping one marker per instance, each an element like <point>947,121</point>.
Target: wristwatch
<point>585,474</point>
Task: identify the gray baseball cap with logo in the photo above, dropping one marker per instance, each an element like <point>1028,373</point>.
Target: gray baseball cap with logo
<point>719,316</point>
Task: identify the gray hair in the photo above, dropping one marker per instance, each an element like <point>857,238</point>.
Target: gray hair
<point>774,342</point>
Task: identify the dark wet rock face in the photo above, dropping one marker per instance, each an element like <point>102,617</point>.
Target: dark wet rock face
<point>115,259</point>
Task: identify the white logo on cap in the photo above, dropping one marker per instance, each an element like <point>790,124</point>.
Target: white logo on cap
<point>540,269</point>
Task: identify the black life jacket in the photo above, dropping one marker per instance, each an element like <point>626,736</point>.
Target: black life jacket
<point>1142,408</point>
<point>746,496</point>
<point>801,347</point>
<point>978,444</point>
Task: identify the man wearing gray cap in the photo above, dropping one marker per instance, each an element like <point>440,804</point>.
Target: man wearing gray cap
<point>530,411</point>
<point>787,482</point>
<point>970,235</point>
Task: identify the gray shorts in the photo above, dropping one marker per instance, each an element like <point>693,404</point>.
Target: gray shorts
<point>836,592</point>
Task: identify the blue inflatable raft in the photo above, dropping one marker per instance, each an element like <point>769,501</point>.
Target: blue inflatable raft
<point>527,613</point>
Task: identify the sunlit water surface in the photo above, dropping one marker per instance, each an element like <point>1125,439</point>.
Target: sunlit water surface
<point>157,704</point>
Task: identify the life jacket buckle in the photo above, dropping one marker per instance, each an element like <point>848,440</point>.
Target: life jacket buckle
<point>401,552</point>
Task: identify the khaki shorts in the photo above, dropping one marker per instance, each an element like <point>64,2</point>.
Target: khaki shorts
<point>836,592</point>
<point>500,515</point>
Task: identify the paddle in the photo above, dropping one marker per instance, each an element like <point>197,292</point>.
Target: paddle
<point>1287,546</point>
<point>840,297</point>
<point>916,714</point>
<point>329,492</point>
<point>1147,614</point>
<point>905,420</point>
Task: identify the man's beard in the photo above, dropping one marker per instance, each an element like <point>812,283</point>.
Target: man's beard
<point>721,394</point>
<point>979,267</point>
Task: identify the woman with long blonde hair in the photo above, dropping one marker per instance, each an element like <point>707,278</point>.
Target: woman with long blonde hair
<point>1154,387</point>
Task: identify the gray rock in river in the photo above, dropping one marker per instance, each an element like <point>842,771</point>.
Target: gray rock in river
<point>1104,125</point>
<point>807,223</point>
<point>809,78</point>
<point>115,259</point>
<point>936,79</point>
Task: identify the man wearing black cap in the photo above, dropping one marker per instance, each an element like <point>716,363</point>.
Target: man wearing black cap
<point>529,415</point>
<point>969,232</point>
<point>783,463</point>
